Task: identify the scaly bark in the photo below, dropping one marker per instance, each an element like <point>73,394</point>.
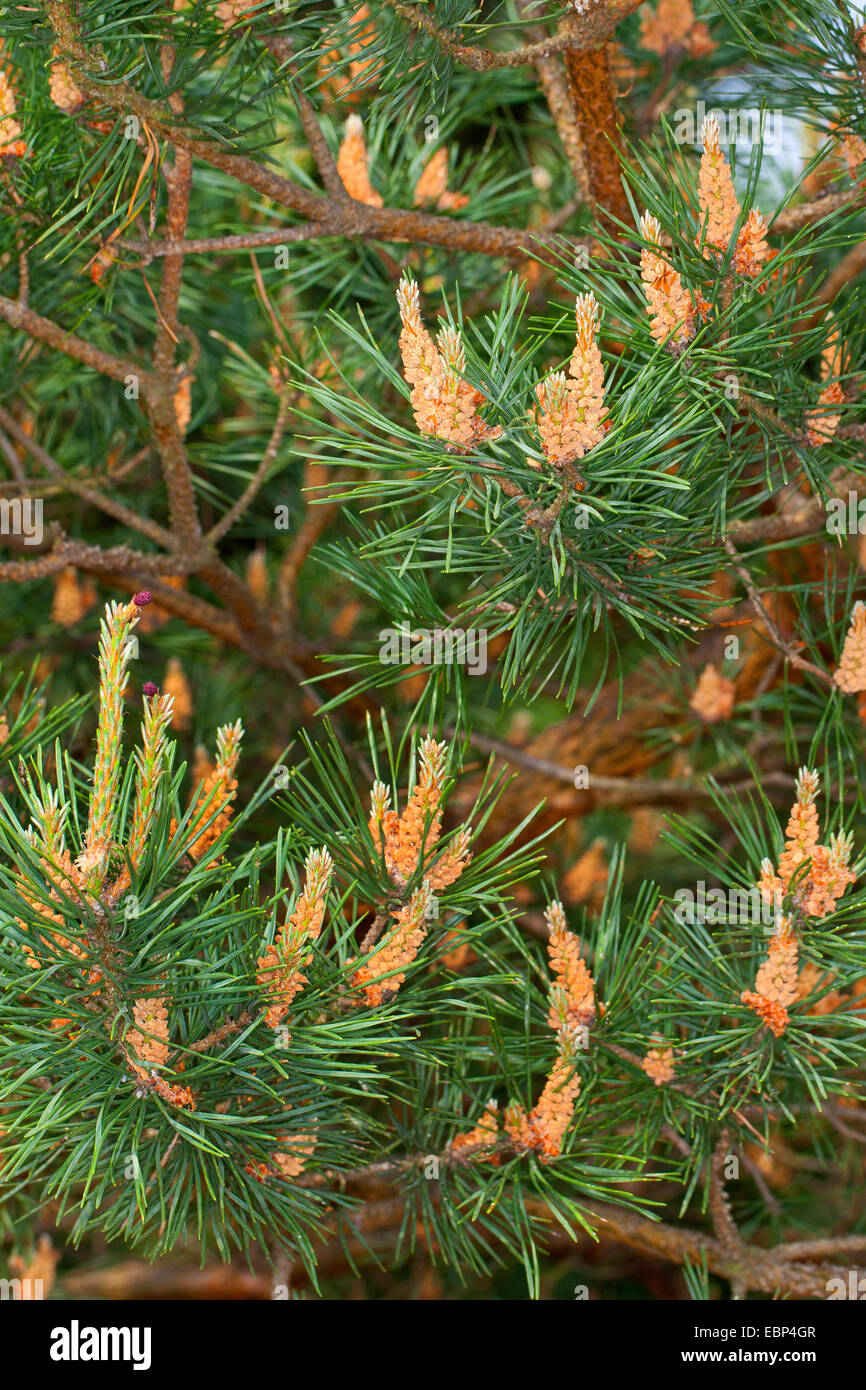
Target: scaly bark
<point>593,95</point>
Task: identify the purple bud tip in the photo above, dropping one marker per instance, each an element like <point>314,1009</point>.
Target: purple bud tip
<point>143,599</point>
<point>149,688</point>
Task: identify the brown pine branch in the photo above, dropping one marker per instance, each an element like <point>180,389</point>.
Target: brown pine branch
<point>218,1035</point>
<point>160,396</point>
<point>86,491</point>
<point>788,649</point>
<point>151,248</point>
<point>554,84</point>
<point>851,266</point>
<point>645,791</point>
<point>592,90</point>
<point>747,1267</point>
<point>551,75</point>
<point>65,551</point>
<point>261,640</point>
<point>236,511</point>
<point>191,609</point>
<point>828,1246</point>
<point>63,340</point>
<point>333,216</point>
<point>281,48</point>
<point>183,509</point>
<point>804,214</point>
<point>588,31</point>
<point>719,1205</point>
<point>803,517</point>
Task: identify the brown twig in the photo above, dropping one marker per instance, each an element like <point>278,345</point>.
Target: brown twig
<point>71,483</point>
<point>159,398</point>
<point>551,75</point>
<point>805,516</point>
<point>281,48</point>
<point>719,1205</point>
<point>316,521</point>
<point>645,791</point>
<point>787,648</point>
<point>237,510</point>
<point>152,248</point>
<point>63,340</point>
<point>218,1035</point>
<point>804,214</point>
<point>589,31</point>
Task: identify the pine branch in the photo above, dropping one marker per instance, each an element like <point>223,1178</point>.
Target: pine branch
<point>788,648</point>
<point>71,483</point>
<point>44,331</point>
<point>334,216</point>
<point>593,97</point>
<point>587,31</point>
<point>247,497</point>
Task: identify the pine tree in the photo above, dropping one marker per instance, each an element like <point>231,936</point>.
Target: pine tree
<point>449,417</point>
